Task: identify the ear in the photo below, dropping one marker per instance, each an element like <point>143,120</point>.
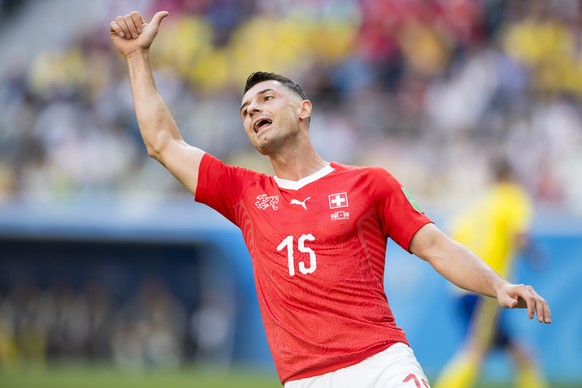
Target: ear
<point>305,110</point>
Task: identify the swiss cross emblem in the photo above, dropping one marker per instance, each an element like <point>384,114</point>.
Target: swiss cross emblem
<point>338,200</point>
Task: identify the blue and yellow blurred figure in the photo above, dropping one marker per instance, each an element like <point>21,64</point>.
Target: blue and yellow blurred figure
<point>496,227</point>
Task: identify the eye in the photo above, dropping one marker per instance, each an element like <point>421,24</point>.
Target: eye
<point>267,98</point>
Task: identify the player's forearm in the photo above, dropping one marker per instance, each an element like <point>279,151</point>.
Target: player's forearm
<point>466,270</point>
<point>155,121</point>
<point>455,262</point>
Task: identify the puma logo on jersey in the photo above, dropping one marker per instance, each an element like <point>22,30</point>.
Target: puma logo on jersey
<point>298,202</point>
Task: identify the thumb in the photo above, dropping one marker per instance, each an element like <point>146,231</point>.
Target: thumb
<point>513,301</point>
<point>158,17</point>
<point>507,300</point>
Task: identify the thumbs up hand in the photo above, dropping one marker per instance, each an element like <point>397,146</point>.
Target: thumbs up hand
<point>131,33</point>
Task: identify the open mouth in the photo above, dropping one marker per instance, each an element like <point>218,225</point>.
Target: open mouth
<point>262,123</point>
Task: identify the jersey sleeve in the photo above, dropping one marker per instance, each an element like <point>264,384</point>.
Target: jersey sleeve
<point>220,186</point>
<point>400,214</point>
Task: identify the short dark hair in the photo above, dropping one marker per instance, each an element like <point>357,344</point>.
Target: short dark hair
<point>261,76</point>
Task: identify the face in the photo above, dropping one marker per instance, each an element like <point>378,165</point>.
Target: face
<point>271,115</point>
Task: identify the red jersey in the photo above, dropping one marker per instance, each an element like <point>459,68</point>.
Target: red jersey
<point>318,250</point>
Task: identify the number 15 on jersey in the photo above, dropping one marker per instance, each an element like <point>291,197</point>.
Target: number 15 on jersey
<point>288,242</point>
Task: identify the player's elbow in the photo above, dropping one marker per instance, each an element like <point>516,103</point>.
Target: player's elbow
<point>157,146</point>
<point>153,152</point>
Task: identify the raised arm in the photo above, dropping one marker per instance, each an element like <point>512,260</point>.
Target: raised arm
<point>463,268</point>
<point>132,36</point>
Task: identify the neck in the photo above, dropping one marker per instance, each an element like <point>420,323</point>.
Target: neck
<point>297,163</point>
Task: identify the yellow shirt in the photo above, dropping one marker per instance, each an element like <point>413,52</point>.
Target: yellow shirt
<point>490,226</point>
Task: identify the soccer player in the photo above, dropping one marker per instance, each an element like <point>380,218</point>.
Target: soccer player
<point>495,227</point>
<point>316,231</point>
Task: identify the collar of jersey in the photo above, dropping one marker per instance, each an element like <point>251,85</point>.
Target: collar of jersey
<point>296,185</point>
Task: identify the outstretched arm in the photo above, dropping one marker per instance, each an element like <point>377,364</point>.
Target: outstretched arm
<point>133,36</point>
<point>463,268</point>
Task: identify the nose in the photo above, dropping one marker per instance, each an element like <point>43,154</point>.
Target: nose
<point>254,107</point>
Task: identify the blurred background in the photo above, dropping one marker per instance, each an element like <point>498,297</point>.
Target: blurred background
<point>106,259</point>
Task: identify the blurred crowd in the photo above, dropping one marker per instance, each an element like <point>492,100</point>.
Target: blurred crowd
<point>430,89</point>
<point>140,329</point>
<point>61,323</point>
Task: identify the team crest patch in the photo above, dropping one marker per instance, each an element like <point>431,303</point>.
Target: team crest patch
<point>412,201</point>
<point>265,201</point>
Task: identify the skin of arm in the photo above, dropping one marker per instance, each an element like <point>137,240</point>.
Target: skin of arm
<point>132,36</point>
<point>466,270</point>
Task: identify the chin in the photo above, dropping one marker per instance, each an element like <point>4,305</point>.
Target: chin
<point>265,148</point>
<point>262,151</point>
<point>269,145</point>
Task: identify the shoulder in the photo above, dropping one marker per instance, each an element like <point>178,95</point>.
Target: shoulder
<point>213,165</point>
<point>376,182</point>
<point>511,195</point>
<point>217,176</point>
<point>365,171</point>
<point>220,184</point>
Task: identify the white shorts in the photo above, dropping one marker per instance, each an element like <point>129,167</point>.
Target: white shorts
<point>395,367</point>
